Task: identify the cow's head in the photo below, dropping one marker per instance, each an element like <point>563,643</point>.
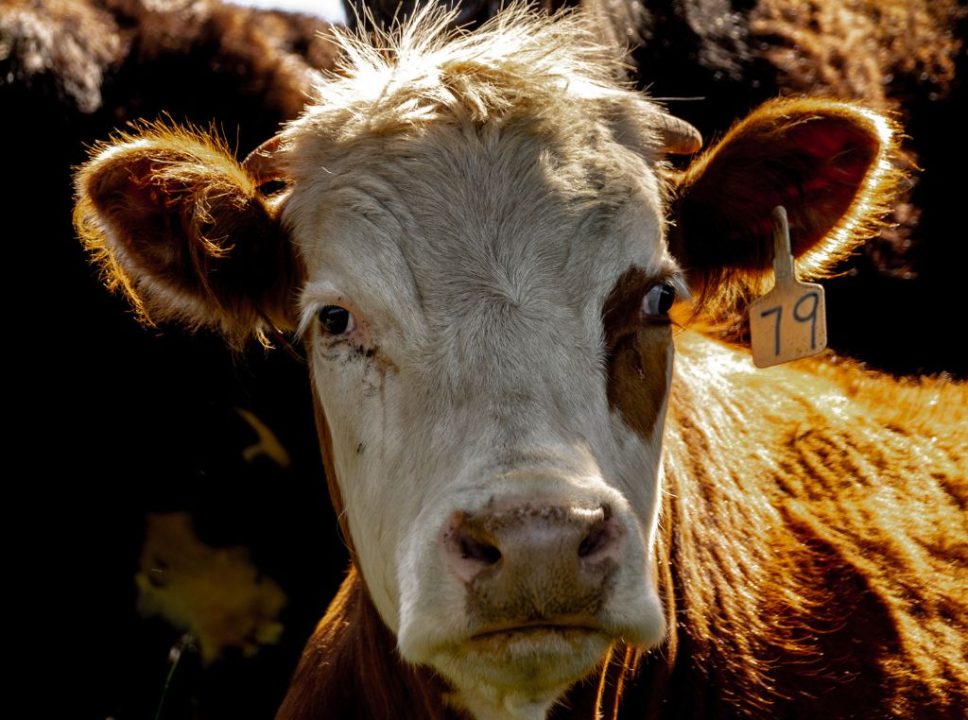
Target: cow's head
<point>474,245</point>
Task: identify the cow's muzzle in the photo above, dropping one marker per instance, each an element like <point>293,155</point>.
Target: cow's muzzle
<point>533,566</point>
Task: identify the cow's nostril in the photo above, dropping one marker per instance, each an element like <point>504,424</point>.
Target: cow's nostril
<point>594,541</point>
<point>470,547</point>
<point>601,537</point>
<point>478,549</point>
<point>532,544</point>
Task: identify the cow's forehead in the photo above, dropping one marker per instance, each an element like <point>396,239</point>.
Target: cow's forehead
<point>452,174</point>
<point>460,217</point>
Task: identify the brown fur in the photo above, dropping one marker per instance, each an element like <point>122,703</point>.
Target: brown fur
<point>851,48</point>
<point>350,668</point>
<point>72,45</point>
<point>80,49</point>
<point>898,57</point>
<point>831,549</point>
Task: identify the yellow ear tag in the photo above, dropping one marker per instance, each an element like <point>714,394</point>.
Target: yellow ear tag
<point>790,321</point>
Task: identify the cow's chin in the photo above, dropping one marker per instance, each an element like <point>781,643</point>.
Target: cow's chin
<point>520,672</point>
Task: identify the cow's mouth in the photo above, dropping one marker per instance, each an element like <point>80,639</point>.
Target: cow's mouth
<point>537,656</point>
<point>546,638</point>
<point>544,627</point>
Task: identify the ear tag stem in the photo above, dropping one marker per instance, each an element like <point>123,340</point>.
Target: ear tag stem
<point>790,321</point>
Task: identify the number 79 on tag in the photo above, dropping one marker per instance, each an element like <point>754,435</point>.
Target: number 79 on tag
<point>790,321</point>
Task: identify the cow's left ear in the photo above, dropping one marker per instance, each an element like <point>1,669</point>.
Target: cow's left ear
<point>828,163</point>
<point>180,225</point>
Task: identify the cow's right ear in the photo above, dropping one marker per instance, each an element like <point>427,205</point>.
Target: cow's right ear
<point>180,225</point>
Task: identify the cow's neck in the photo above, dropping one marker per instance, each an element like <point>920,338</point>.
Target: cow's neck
<point>350,669</point>
<point>764,601</point>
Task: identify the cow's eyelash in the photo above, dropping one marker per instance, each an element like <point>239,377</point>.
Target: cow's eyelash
<point>677,280</point>
<point>307,316</point>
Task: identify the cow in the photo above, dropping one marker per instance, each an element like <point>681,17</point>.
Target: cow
<point>562,496</point>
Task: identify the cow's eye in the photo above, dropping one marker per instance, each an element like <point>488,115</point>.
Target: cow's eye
<point>335,320</point>
<point>658,300</point>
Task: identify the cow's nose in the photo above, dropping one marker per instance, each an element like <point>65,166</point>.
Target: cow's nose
<point>534,561</point>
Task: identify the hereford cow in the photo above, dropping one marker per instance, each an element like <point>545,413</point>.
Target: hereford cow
<point>481,245</point>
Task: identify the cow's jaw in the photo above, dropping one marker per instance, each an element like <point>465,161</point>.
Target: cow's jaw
<point>486,702</point>
<point>534,669</point>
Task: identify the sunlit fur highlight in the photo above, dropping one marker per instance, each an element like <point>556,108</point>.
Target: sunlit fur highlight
<point>192,178</point>
<point>518,65</point>
<point>517,60</point>
<point>775,478</point>
<point>720,290</point>
<point>203,149</point>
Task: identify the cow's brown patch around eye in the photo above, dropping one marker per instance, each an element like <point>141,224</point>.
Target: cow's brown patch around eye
<point>638,354</point>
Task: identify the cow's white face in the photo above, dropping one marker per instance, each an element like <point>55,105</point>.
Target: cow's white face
<point>475,296</point>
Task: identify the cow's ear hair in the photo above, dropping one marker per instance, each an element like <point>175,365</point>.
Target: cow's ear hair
<point>830,164</point>
<point>177,223</point>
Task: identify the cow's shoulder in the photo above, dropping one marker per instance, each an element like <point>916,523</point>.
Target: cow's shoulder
<point>813,535</point>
